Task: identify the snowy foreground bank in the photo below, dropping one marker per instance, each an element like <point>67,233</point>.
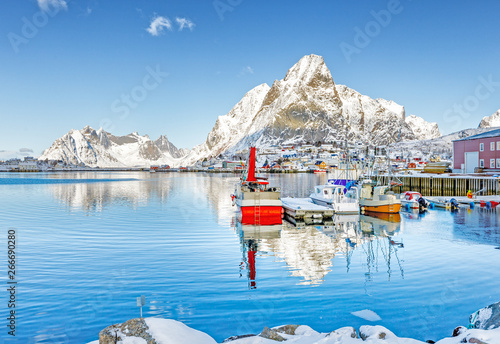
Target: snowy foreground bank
<point>166,331</point>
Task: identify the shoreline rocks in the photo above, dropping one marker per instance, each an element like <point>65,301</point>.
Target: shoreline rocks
<point>484,328</point>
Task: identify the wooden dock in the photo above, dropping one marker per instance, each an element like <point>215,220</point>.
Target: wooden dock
<point>446,185</point>
<point>302,208</point>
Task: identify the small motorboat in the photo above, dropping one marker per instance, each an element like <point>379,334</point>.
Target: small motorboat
<point>412,200</point>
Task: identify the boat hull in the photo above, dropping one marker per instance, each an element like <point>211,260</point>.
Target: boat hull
<point>260,215</point>
<point>391,208</point>
<point>350,208</point>
<point>411,204</point>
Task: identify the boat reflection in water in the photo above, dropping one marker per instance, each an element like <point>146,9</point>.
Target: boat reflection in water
<point>381,228</point>
<point>251,236</point>
<point>309,249</point>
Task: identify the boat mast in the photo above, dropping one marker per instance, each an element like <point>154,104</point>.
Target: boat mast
<point>251,166</point>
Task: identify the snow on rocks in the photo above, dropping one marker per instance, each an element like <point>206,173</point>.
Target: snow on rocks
<point>134,331</point>
<point>167,331</point>
<point>486,318</point>
<point>153,331</point>
<point>474,336</point>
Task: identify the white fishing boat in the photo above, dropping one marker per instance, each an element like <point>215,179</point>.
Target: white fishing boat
<point>333,196</point>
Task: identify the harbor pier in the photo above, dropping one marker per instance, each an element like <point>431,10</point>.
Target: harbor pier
<point>446,185</point>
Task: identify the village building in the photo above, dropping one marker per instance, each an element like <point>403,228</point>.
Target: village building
<point>479,152</point>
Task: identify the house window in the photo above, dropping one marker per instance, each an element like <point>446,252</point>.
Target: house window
<point>498,145</point>
<point>481,163</point>
<point>498,163</point>
<point>492,163</point>
<point>481,147</point>
<point>492,146</point>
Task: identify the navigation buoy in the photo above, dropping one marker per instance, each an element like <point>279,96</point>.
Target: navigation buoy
<point>472,205</point>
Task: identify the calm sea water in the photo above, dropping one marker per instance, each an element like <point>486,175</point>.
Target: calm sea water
<point>88,244</point>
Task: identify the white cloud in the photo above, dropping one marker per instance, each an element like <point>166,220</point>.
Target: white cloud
<point>184,23</point>
<point>26,150</point>
<point>20,154</point>
<point>45,5</point>
<point>158,24</point>
<point>246,70</point>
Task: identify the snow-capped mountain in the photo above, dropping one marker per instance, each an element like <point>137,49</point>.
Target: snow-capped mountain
<point>491,121</point>
<point>93,148</point>
<point>307,106</point>
<point>168,147</point>
<point>422,129</point>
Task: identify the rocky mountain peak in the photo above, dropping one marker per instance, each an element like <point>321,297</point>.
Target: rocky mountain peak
<point>308,67</point>
<point>491,121</point>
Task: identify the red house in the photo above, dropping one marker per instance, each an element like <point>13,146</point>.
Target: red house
<point>477,151</point>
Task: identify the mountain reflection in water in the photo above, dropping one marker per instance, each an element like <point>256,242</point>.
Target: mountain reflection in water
<point>309,250</point>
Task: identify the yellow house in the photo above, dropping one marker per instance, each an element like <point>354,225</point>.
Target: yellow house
<point>320,164</point>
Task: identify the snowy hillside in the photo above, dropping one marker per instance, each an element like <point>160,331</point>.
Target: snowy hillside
<point>229,129</point>
<point>423,129</point>
<point>307,106</point>
<point>93,148</point>
<point>490,121</point>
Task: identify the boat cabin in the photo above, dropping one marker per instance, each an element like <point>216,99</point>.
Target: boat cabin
<point>411,196</point>
<point>368,191</point>
<point>329,191</point>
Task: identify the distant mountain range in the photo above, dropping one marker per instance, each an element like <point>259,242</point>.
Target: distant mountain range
<point>93,148</point>
<point>305,106</point>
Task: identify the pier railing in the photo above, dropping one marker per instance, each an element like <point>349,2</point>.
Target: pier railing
<point>446,185</point>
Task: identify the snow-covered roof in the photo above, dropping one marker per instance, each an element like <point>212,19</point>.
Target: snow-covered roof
<point>491,133</point>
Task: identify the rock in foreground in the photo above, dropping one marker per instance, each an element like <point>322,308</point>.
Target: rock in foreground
<point>486,318</point>
<point>153,331</point>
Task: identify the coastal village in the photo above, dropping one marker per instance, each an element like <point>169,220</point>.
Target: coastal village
<point>476,154</point>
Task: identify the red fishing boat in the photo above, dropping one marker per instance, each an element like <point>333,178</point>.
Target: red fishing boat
<point>258,203</point>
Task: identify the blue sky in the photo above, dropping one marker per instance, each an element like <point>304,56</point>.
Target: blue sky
<point>77,64</point>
